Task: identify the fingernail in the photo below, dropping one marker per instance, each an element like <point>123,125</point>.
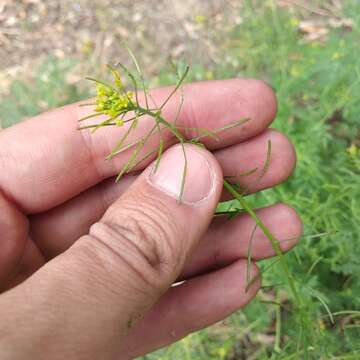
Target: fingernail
<point>169,175</point>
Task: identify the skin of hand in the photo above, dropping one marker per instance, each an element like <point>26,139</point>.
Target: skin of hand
<point>87,265</point>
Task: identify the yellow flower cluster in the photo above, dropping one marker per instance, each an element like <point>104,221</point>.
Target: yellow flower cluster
<point>111,102</point>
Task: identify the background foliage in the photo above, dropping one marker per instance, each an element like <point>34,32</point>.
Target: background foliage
<point>318,89</point>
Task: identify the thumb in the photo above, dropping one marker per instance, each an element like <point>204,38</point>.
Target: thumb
<point>89,297</point>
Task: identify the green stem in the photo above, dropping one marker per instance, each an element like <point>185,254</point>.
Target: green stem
<point>274,242</point>
<point>277,347</point>
<point>182,78</point>
<point>171,127</point>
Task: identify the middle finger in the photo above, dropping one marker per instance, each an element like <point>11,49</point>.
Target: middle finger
<point>56,230</point>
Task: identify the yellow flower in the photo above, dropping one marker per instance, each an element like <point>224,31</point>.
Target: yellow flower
<point>112,102</point>
<point>353,150</point>
<point>294,22</point>
<point>103,90</point>
<point>117,78</point>
<point>200,19</point>
<point>118,82</point>
<point>119,122</point>
<point>295,71</point>
<point>336,55</point>
<point>221,352</point>
<point>209,75</point>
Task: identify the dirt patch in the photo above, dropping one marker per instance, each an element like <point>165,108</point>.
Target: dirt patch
<point>92,31</point>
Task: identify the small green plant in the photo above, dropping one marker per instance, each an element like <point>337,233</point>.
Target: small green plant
<point>118,106</point>
<point>114,102</point>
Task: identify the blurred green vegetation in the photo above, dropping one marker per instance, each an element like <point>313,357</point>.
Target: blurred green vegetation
<point>48,89</point>
<point>318,89</point>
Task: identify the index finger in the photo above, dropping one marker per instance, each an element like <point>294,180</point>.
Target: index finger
<point>45,161</point>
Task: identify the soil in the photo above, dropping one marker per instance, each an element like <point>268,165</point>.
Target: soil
<point>93,30</point>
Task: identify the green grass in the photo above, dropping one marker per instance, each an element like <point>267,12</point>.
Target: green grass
<point>48,89</point>
<point>318,89</point>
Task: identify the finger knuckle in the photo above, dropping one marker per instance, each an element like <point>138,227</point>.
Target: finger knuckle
<point>139,240</point>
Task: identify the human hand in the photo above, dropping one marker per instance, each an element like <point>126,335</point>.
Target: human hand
<point>99,258</point>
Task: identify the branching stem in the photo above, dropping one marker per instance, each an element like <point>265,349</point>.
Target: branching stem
<point>274,242</point>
